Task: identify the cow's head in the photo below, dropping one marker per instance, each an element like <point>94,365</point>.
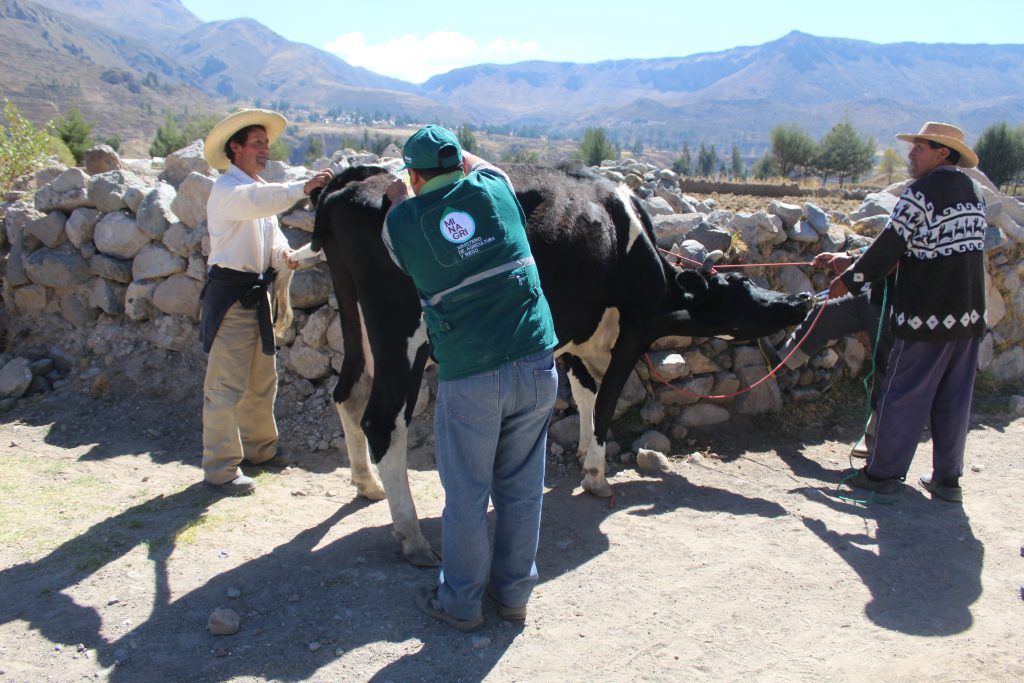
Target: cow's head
<point>732,305</point>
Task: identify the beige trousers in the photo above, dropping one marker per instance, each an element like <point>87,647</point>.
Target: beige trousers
<point>238,398</point>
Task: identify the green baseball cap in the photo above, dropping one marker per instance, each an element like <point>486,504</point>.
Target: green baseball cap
<point>432,147</point>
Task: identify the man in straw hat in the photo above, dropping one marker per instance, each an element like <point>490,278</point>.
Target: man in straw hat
<point>462,240</point>
<point>247,249</point>
<point>935,238</point>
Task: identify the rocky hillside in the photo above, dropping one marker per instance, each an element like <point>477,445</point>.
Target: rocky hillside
<point>739,94</point>
<point>52,60</point>
<point>158,22</point>
<point>79,52</point>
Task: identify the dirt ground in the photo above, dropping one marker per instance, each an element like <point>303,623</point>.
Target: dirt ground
<point>739,563</point>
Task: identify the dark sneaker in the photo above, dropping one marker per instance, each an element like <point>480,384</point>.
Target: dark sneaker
<point>280,460</point>
<point>426,600</point>
<point>239,486</point>
<point>861,480</point>
<point>505,612</point>
<point>946,489</point>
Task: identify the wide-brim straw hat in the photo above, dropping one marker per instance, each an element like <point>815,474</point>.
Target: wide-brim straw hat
<point>213,148</point>
<point>948,135</point>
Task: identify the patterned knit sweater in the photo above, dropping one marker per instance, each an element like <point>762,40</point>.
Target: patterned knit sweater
<point>936,238</point>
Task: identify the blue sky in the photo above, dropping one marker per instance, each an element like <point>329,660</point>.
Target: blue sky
<point>386,37</point>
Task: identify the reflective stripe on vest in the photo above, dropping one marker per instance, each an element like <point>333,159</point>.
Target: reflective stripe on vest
<point>477,277</point>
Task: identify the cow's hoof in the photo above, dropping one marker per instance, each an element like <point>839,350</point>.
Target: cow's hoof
<point>422,557</point>
<point>597,487</point>
<point>370,491</point>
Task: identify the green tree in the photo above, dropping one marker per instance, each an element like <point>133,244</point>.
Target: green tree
<point>738,170</point>
<point>638,147</point>
<point>466,138</point>
<point>315,150</point>
<point>169,138</point>
<point>76,133</point>
<point>792,148</point>
<point>766,167</point>
<point>22,146</point>
<point>1000,152</point>
<point>114,142</point>
<point>844,154</point>
<point>890,163</point>
<point>279,150</point>
<point>178,132</point>
<point>595,147</point>
<point>521,155</point>
<point>707,160</point>
<point>684,164</point>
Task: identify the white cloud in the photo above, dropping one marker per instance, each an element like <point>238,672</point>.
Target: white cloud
<point>416,59</point>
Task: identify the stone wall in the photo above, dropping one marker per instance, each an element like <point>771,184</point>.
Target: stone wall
<point>109,266</point>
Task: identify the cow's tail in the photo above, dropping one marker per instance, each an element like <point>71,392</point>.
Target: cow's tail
<point>280,301</point>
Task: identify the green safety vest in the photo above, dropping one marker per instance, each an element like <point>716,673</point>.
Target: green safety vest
<point>464,246</point>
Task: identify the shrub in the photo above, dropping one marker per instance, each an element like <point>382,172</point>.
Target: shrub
<point>23,147</point>
<point>76,133</point>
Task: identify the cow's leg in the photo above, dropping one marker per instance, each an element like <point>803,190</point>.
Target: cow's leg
<point>393,468</point>
<point>350,411</point>
<point>623,360</point>
<point>584,391</point>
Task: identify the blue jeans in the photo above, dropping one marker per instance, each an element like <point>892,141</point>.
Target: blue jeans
<point>491,435</point>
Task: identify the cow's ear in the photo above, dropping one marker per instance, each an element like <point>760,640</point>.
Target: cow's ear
<point>692,283</point>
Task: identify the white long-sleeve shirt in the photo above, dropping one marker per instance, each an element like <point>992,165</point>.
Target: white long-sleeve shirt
<point>241,216</point>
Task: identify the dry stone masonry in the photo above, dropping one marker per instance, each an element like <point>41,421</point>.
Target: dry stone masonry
<point>108,263</point>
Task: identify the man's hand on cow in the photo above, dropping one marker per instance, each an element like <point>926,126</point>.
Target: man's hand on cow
<point>397,191</point>
<point>292,265</point>
<point>837,289</point>
<point>319,180</point>
<point>835,262</point>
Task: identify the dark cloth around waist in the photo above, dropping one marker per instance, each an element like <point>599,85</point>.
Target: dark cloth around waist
<point>223,288</point>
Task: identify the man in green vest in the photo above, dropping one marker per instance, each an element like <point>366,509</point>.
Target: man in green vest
<point>462,240</point>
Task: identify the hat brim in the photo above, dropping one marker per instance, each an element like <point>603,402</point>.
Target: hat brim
<point>968,159</point>
<point>213,147</point>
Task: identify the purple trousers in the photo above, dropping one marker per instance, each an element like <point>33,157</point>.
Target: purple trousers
<point>925,383</point>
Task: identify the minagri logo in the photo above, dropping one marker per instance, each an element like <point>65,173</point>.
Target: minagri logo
<point>457,226</point>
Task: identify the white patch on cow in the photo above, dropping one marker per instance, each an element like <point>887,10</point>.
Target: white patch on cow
<point>393,469</point>
<point>418,339</point>
<point>596,354</point>
<point>350,412</point>
<point>367,351</point>
<point>636,226</point>
<point>597,349</point>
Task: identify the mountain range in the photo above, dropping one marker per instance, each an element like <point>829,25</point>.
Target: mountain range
<point>125,62</point>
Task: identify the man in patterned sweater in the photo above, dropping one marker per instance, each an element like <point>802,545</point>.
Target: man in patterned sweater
<point>935,238</point>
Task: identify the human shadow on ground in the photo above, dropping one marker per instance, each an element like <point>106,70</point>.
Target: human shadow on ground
<point>352,594</point>
<point>922,566</point>
<point>34,590</point>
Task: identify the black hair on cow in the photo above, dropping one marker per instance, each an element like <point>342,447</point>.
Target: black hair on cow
<point>954,156</point>
<point>240,137</point>
<point>352,174</point>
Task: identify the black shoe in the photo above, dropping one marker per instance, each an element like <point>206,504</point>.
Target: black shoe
<point>946,489</point>
<point>280,460</point>
<point>861,480</point>
<point>504,611</point>
<point>239,486</point>
<point>426,599</point>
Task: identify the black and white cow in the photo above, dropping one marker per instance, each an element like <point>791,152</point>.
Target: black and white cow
<point>611,295</point>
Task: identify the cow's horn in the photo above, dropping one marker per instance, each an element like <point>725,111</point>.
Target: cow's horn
<point>711,259</point>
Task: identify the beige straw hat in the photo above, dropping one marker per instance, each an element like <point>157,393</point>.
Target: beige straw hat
<point>948,135</point>
<point>213,148</point>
